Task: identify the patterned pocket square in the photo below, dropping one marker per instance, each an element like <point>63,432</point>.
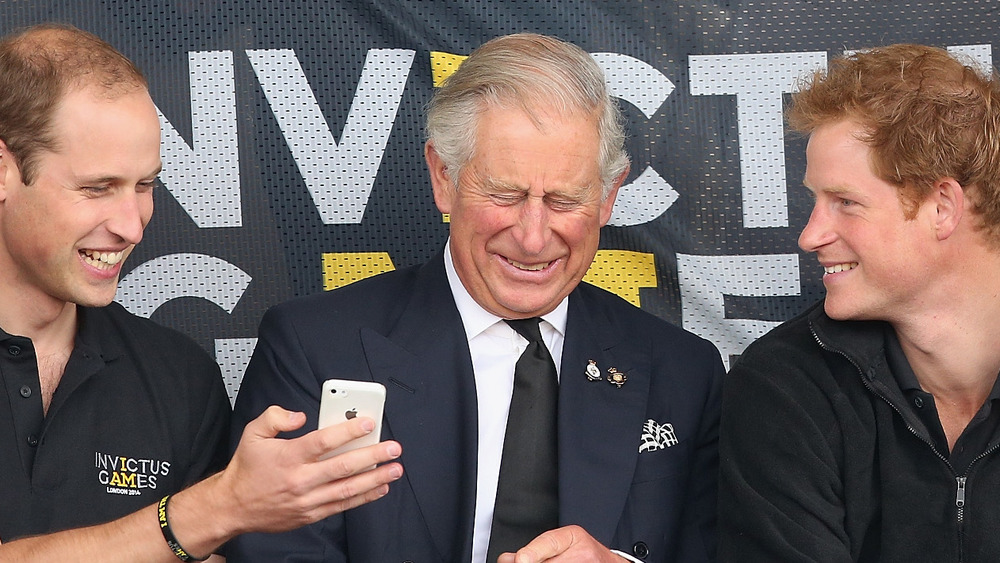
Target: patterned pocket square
<point>656,436</point>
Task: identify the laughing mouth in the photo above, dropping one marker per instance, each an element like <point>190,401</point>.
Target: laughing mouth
<point>528,267</point>
<point>837,268</point>
<point>102,260</point>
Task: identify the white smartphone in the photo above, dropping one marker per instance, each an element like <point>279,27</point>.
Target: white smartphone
<point>344,399</point>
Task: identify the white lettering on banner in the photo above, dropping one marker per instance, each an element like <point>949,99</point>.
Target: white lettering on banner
<point>205,178</point>
<point>339,177</point>
<point>641,85</point>
<point>981,54</point>
<point>758,82</point>
<point>704,280</point>
<point>170,276</point>
<point>233,355</point>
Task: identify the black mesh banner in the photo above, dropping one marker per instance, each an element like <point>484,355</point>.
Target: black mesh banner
<point>293,144</point>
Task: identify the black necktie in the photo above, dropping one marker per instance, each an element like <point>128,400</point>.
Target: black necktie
<point>527,502</point>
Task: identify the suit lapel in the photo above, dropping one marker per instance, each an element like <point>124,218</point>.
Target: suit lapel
<point>425,366</point>
<point>599,423</point>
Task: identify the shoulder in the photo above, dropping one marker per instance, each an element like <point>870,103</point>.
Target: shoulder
<point>137,345</point>
<point>115,321</point>
<point>789,366</point>
<point>790,340</point>
<point>602,306</point>
<point>379,297</point>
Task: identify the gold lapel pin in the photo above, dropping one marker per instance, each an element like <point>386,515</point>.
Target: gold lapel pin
<point>616,377</point>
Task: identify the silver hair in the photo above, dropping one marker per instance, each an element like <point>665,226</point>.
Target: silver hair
<point>531,72</point>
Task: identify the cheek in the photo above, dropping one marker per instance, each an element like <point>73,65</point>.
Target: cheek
<point>146,212</point>
<point>490,222</point>
<point>579,233</point>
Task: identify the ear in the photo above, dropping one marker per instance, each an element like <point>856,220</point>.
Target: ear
<point>607,206</point>
<point>949,201</point>
<point>444,189</point>
<point>7,168</point>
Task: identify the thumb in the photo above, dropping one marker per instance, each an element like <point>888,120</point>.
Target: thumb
<point>273,421</point>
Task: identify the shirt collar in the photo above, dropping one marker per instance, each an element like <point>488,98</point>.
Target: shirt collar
<point>476,319</point>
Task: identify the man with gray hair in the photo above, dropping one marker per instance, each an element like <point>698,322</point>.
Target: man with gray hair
<point>538,415</point>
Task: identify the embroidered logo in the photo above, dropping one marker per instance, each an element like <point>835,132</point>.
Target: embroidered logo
<point>122,475</point>
<point>656,436</point>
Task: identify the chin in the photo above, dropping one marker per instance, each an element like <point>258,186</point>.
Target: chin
<point>94,300</point>
<point>847,313</point>
<point>837,311</point>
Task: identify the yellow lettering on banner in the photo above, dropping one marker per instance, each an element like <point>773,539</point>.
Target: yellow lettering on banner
<point>443,65</point>
<point>343,268</point>
<point>622,272</point>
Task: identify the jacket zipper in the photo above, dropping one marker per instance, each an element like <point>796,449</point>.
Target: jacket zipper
<point>960,481</point>
<point>960,492</point>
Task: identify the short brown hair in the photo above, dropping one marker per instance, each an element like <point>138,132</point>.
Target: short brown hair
<point>38,66</point>
<point>925,114</point>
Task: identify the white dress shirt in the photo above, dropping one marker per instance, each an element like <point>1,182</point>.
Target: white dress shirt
<point>495,348</point>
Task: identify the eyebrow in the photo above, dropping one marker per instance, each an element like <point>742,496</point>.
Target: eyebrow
<point>575,192</point>
<point>112,179</point>
<point>491,182</point>
<point>836,190</point>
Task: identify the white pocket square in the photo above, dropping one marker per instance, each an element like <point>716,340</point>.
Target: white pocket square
<point>656,436</point>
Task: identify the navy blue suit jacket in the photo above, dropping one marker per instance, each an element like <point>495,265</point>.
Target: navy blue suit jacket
<point>402,329</point>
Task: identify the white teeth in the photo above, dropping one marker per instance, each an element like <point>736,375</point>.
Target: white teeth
<point>840,267</point>
<point>102,259</point>
<point>529,267</point>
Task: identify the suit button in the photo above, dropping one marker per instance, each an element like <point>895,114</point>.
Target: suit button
<point>32,440</point>
<point>640,550</point>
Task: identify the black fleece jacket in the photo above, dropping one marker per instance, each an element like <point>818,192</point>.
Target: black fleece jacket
<point>821,461</point>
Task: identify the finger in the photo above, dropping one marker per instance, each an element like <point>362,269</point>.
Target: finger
<point>325,440</point>
<point>343,494</point>
<point>357,461</point>
<point>273,421</point>
<point>546,546</point>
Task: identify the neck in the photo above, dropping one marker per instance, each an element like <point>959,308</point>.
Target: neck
<point>950,340</point>
<point>48,322</point>
<point>40,321</point>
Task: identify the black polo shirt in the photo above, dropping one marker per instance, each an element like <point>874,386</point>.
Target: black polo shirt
<point>141,411</point>
<point>976,437</point>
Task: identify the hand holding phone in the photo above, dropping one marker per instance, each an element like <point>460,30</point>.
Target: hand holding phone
<point>343,400</point>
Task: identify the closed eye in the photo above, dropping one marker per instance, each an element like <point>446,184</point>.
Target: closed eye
<point>564,204</point>
<point>506,199</point>
<point>95,190</point>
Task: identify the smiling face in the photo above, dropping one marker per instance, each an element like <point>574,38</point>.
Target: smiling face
<point>64,237</point>
<point>527,213</point>
<point>876,262</point>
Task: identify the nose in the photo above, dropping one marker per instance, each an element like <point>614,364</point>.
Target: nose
<point>130,215</point>
<point>532,230</point>
<point>817,232</point>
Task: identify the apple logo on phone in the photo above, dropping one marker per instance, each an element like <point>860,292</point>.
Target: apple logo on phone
<point>353,413</point>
